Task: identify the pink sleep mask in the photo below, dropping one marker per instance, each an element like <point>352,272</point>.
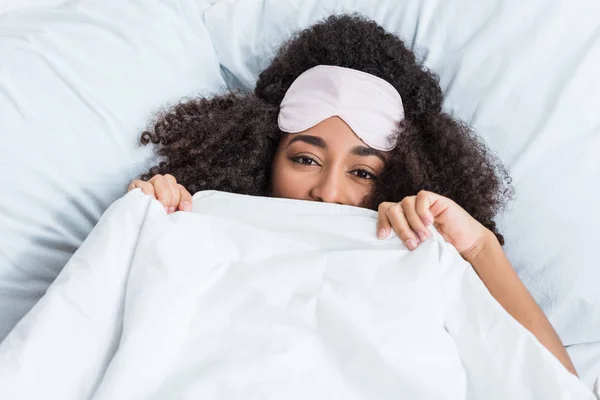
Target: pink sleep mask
<point>370,106</point>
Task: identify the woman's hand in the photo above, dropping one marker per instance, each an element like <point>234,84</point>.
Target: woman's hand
<point>479,246</point>
<point>411,217</point>
<point>165,189</point>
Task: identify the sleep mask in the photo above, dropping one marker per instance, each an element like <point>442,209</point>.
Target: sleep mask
<point>370,106</point>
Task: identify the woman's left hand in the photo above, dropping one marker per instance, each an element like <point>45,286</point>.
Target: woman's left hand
<point>411,217</point>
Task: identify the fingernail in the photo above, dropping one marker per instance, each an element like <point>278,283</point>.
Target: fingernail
<point>422,236</point>
<point>186,205</point>
<point>411,244</point>
<point>381,233</point>
<point>166,209</point>
<point>171,210</point>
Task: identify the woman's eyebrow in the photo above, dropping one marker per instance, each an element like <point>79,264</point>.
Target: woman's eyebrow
<point>363,151</point>
<point>312,140</point>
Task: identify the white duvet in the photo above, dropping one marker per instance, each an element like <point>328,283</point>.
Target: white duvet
<point>257,298</point>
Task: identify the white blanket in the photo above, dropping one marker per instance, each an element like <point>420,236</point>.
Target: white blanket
<point>256,298</point>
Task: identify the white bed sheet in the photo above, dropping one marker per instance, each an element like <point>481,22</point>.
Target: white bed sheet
<point>586,358</point>
<point>292,300</point>
<point>15,5</point>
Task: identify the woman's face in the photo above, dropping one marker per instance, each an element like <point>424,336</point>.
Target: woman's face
<point>328,163</point>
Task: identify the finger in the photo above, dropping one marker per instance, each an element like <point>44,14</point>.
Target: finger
<point>145,186</point>
<point>162,190</point>
<point>446,237</point>
<point>186,201</point>
<point>383,223</point>
<point>415,222</point>
<point>438,204</point>
<point>174,193</point>
<point>423,203</point>
<point>400,225</point>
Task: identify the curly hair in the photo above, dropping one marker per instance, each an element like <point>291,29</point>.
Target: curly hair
<point>228,142</point>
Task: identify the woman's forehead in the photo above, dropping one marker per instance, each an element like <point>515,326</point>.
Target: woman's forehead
<point>335,136</point>
<point>335,132</point>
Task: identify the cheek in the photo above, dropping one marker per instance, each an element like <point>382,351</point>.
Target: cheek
<point>358,195</point>
<point>287,182</point>
<point>364,198</point>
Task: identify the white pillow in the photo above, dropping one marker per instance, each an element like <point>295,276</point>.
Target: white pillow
<point>78,84</point>
<point>525,74</point>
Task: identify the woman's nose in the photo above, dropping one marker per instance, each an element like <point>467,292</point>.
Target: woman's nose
<point>330,189</point>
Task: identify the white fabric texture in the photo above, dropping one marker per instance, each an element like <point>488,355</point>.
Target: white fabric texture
<point>370,106</point>
<point>293,300</point>
<point>586,357</point>
<point>525,75</point>
<point>20,5</point>
<point>78,84</point>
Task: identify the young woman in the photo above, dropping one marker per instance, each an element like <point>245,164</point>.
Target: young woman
<point>344,114</point>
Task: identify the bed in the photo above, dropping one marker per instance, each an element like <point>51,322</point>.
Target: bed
<point>80,79</point>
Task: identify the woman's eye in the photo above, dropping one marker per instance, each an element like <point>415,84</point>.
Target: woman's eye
<point>361,173</point>
<point>304,160</point>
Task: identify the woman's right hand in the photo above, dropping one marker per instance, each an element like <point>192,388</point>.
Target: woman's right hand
<point>165,189</point>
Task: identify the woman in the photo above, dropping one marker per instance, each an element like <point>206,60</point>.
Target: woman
<point>344,114</point>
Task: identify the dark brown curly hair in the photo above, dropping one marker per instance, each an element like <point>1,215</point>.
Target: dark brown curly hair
<point>228,142</point>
